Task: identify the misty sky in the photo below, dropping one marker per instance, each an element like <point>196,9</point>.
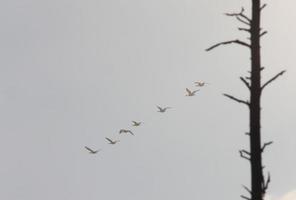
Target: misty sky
<point>73,72</point>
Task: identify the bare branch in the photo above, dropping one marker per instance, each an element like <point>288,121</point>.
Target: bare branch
<point>247,133</point>
<point>263,33</point>
<point>242,21</point>
<point>266,184</point>
<point>263,6</point>
<point>268,181</point>
<point>245,82</point>
<point>240,17</point>
<point>244,16</point>
<point>237,100</point>
<point>272,79</point>
<point>246,152</point>
<point>265,145</point>
<point>244,29</point>
<point>241,152</point>
<point>246,188</point>
<point>228,42</point>
<point>244,197</point>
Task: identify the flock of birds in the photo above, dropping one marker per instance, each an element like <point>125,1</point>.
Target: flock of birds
<point>110,141</point>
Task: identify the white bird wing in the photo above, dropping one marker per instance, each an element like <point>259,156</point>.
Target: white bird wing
<point>109,139</point>
<point>189,92</point>
<point>89,149</point>
<point>129,131</point>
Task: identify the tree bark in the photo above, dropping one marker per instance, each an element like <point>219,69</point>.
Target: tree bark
<point>258,183</point>
<point>257,180</point>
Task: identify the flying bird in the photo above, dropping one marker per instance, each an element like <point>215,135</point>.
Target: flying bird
<point>136,123</point>
<point>162,110</point>
<point>200,83</point>
<point>112,141</point>
<point>91,151</point>
<point>190,93</point>
<point>125,131</point>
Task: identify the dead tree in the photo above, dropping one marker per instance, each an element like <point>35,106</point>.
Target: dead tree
<point>259,182</point>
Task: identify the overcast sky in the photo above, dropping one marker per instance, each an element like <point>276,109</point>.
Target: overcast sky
<point>73,72</point>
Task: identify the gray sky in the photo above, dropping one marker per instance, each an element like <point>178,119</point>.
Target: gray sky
<point>73,72</point>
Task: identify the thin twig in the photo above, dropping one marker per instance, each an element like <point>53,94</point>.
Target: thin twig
<point>242,21</point>
<point>263,33</point>
<point>240,16</point>
<point>243,155</point>
<point>272,79</point>
<point>267,182</point>
<point>265,145</point>
<point>244,29</point>
<point>246,188</point>
<point>263,6</point>
<point>228,42</point>
<point>245,82</point>
<point>237,100</point>
<point>246,152</point>
<point>244,197</point>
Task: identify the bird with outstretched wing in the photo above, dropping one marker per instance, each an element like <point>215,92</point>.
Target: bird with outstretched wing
<point>91,151</point>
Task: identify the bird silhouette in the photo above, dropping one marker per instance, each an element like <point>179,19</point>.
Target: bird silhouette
<point>162,110</point>
<point>125,131</point>
<point>200,83</point>
<point>190,93</point>
<point>136,123</point>
<point>112,141</point>
<point>91,151</point>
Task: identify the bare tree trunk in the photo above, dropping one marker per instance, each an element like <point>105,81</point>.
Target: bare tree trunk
<point>255,134</point>
<point>258,183</point>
